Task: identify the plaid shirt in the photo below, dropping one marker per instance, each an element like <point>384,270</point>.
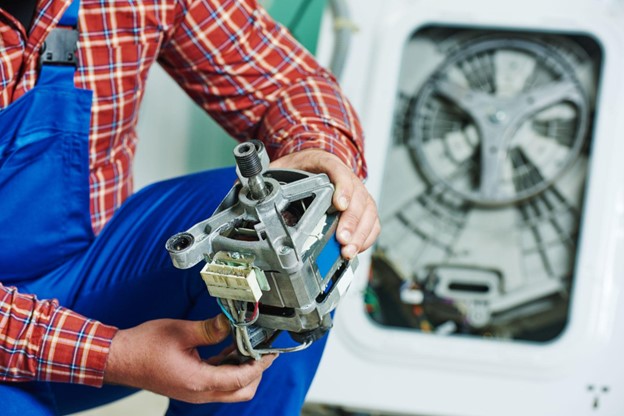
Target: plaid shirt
<point>245,70</point>
<point>44,341</point>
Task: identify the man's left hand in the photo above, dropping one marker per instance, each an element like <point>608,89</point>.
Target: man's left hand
<point>359,226</point>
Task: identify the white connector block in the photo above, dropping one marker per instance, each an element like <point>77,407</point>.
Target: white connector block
<point>231,282</point>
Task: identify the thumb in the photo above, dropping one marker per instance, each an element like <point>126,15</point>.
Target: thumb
<point>212,331</point>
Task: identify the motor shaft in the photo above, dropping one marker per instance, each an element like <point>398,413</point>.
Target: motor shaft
<point>250,167</point>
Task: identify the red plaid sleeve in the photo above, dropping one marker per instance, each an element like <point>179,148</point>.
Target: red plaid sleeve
<point>252,77</point>
<point>40,340</point>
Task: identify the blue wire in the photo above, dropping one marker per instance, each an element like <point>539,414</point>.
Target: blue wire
<point>225,311</point>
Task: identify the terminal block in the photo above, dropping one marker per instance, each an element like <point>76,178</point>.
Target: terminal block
<point>232,276</point>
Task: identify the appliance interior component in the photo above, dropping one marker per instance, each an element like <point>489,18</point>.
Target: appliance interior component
<point>479,119</point>
<point>486,177</point>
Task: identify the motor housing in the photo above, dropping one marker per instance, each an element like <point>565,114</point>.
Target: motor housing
<point>272,258</point>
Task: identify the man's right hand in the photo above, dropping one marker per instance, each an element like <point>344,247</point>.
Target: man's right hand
<point>161,356</point>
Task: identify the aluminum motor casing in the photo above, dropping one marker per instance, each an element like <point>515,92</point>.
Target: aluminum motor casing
<point>295,301</point>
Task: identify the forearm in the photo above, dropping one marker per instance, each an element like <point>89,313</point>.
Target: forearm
<point>252,77</point>
<point>40,340</point>
<point>312,113</point>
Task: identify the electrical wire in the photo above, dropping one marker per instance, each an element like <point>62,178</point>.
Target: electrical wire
<point>247,349</point>
<point>243,320</point>
<point>226,312</point>
<point>255,313</point>
<point>281,350</point>
<point>241,313</point>
<point>241,333</point>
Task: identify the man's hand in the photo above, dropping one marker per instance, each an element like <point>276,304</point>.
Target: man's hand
<point>161,356</point>
<point>359,226</point>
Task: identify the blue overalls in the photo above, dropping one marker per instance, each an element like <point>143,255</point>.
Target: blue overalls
<point>122,277</point>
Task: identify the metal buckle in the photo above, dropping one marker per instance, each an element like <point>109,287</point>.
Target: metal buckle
<point>59,47</point>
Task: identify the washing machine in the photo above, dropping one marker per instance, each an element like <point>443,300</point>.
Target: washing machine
<point>495,143</point>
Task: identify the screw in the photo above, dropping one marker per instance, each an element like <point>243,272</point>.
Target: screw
<point>283,250</point>
<point>499,116</point>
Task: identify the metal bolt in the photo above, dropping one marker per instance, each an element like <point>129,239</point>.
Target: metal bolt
<point>283,250</point>
<point>499,116</point>
<point>250,166</point>
<point>247,159</point>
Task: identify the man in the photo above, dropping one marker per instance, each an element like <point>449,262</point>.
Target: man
<point>69,231</point>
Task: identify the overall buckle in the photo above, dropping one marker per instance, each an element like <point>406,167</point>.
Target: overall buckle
<point>59,47</point>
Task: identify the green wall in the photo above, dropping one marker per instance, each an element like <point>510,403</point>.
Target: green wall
<point>306,14</point>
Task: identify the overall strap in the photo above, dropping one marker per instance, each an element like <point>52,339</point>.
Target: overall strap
<point>70,17</point>
<point>58,54</point>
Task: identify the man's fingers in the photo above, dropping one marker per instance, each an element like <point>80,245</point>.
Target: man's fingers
<point>320,161</point>
<point>229,378</point>
<point>358,226</point>
<point>350,219</point>
<point>359,211</point>
<point>370,240</point>
<point>211,331</point>
<point>342,178</point>
<point>223,355</point>
<point>243,395</point>
<point>364,229</point>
